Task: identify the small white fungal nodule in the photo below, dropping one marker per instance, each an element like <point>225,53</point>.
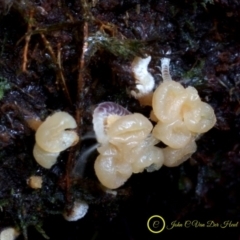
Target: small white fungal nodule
<point>78,211</point>
<point>144,80</point>
<point>9,233</point>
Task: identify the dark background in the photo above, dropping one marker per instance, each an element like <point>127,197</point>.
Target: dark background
<point>203,37</point>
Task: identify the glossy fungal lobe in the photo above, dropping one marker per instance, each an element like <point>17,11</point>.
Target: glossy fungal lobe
<point>168,99</point>
<point>110,168</point>
<point>172,102</point>
<point>44,158</point>
<point>54,135</point>
<point>175,134</point>
<point>174,157</point>
<point>103,116</point>
<point>181,116</point>
<point>130,129</point>
<point>127,147</point>
<point>9,233</point>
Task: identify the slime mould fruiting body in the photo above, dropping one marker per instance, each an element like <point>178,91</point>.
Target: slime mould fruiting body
<point>78,211</point>
<point>144,80</point>
<point>53,136</point>
<point>9,233</point>
<point>129,147</point>
<point>128,140</point>
<point>181,117</point>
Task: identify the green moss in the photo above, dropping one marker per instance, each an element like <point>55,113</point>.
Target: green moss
<point>39,228</point>
<point>125,49</point>
<point>195,74</point>
<point>4,85</point>
<point>205,2</point>
<point>3,203</point>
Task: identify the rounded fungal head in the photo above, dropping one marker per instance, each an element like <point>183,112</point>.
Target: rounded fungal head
<point>179,111</point>
<point>130,129</point>
<point>35,182</point>
<point>167,101</point>
<point>175,157</point>
<point>103,116</point>
<point>44,158</point>
<point>199,117</point>
<point>9,233</point>
<point>78,211</point>
<point>151,159</point>
<point>55,134</point>
<point>175,134</point>
<point>34,123</point>
<point>111,170</point>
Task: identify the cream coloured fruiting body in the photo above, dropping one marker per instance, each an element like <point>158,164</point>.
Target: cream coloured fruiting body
<point>54,135</point>
<point>35,182</point>
<point>103,116</point>
<point>130,129</point>
<point>174,134</point>
<point>181,116</point>
<point>147,156</point>
<point>171,102</point>
<point>44,158</point>
<point>9,233</point>
<point>129,149</point>
<point>144,80</point>
<point>128,141</point>
<point>199,118</point>
<point>111,168</point>
<point>174,157</point>
<point>167,101</point>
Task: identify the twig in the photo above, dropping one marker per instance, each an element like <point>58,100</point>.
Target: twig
<point>48,46</point>
<point>61,75</point>
<point>81,83</point>
<point>79,111</point>
<point>27,40</point>
<point>57,61</point>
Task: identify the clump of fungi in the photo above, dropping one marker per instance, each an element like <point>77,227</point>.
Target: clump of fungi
<point>181,117</point>
<point>128,146</point>
<point>127,141</point>
<point>53,136</point>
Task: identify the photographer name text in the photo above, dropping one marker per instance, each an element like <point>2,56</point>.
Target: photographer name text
<point>198,224</point>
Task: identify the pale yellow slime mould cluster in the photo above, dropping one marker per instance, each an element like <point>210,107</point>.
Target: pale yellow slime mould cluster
<point>127,141</point>
<point>129,147</point>
<point>53,136</point>
<point>181,116</point>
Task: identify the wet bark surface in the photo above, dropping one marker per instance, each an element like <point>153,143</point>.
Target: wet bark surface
<point>71,55</point>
